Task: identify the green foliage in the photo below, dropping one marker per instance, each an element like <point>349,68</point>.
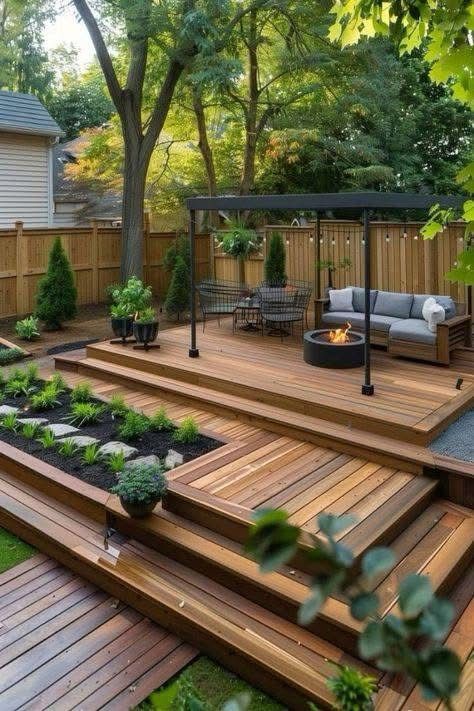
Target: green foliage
<point>239,241</point>
<point>58,383</point>
<point>116,462</point>
<point>409,643</point>
<point>56,298</point>
<point>46,399</point>
<point>10,355</point>
<point>46,438</point>
<point>85,413</point>
<point>120,311</point>
<point>179,248</point>
<point>179,291</point>
<point>133,426</point>
<point>131,298</point>
<point>352,689</point>
<point>146,316</point>
<point>187,432</point>
<point>141,484</point>
<point>12,550</point>
<point>19,386</point>
<point>82,392</point>
<point>117,406</point>
<point>274,267</point>
<point>81,105</point>
<point>67,448</point>
<point>30,430</point>
<point>28,328</point>
<point>10,422</point>
<point>160,421</point>
<point>90,454</point>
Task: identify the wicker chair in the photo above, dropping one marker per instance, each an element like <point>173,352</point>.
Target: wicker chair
<point>219,298</point>
<point>281,307</point>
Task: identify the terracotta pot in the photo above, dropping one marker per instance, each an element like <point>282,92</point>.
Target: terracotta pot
<point>138,510</point>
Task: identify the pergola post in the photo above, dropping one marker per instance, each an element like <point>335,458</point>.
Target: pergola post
<point>193,351</point>
<point>367,387</point>
<point>317,275</point>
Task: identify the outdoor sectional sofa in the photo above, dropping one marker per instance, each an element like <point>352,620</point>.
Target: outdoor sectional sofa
<point>397,322</point>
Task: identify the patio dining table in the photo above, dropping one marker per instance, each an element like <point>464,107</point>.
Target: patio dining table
<point>247,314</point>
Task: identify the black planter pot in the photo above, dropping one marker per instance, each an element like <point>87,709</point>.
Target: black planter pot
<point>139,510</point>
<point>122,327</point>
<point>145,333</point>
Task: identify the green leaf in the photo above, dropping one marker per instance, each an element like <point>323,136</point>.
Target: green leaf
<point>415,593</point>
<point>436,619</point>
<point>342,555</point>
<point>377,560</point>
<point>443,670</point>
<point>371,642</point>
<point>311,606</point>
<point>331,525</point>
<point>364,605</point>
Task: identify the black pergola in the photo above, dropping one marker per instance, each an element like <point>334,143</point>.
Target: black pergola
<point>365,202</point>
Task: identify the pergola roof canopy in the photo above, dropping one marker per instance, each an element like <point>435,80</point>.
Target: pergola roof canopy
<point>324,201</point>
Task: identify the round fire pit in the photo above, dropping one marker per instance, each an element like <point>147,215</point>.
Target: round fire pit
<point>319,350</point>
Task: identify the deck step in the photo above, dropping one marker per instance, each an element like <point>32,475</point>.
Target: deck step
<point>289,662</point>
<point>411,457</point>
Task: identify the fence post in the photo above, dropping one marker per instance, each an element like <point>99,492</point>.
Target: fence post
<point>20,269</point>
<point>95,261</point>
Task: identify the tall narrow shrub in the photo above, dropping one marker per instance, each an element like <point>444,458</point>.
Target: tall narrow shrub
<point>275,262</point>
<point>56,298</point>
<point>179,291</point>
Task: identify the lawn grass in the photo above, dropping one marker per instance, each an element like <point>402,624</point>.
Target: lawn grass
<point>209,683</point>
<point>12,550</point>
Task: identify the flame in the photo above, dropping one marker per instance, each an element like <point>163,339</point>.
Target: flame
<point>340,335</point>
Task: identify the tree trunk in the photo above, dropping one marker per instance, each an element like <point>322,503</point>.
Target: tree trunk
<point>247,182</point>
<point>134,178</point>
<point>203,144</point>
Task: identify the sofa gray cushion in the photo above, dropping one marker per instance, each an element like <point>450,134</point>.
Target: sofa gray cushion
<point>392,303</point>
<point>377,321</point>
<point>341,299</point>
<point>412,329</point>
<point>358,299</point>
<point>445,301</point>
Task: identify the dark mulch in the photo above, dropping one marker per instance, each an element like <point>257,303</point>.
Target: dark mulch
<point>157,443</point>
<point>71,346</point>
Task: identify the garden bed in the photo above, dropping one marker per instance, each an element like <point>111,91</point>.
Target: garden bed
<point>97,474</point>
<point>11,353</point>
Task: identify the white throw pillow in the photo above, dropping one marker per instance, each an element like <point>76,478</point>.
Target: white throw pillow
<point>433,313</point>
<point>341,299</point>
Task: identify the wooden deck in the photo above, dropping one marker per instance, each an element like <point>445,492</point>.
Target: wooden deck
<point>413,401</point>
<point>65,644</point>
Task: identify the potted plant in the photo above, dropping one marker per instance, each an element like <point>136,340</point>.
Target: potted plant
<point>122,321</point>
<point>128,300</point>
<point>240,242</point>
<point>140,487</point>
<point>145,327</point>
<point>275,262</point>
<point>332,267</point>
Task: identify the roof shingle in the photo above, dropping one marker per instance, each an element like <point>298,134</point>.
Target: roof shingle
<point>24,113</point>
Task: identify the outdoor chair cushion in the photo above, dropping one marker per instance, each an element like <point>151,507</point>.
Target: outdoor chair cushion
<point>358,299</point>
<point>414,330</point>
<point>445,301</point>
<point>392,303</point>
<point>357,320</point>
<point>341,299</point>
<point>284,316</point>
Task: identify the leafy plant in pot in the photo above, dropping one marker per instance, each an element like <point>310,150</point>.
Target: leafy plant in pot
<point>128,300</point>
<point>332,266</point>
<point>145,327</point>
<point>122,321</point>
<point>240,242</point>
<point>140,487</point>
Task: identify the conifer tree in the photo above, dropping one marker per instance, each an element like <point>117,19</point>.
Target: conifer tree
<point>275,262</point>
<point>178,296</point>
<point>56,298</point>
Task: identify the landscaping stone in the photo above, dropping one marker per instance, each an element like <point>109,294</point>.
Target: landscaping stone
<point>33,420</point>
<point>61,430</point>
<point>82,440</point>
<point>173,459</point>
<point>150,461</point>
<point>8,410</point>
<point>114,447</point>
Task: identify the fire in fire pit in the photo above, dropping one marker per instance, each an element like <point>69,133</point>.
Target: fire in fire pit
<point>338,348</point>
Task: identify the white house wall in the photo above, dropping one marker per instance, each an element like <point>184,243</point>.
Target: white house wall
<point>25,180</point>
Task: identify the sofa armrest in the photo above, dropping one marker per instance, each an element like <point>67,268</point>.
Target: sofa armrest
<point>453,333</point>
<point>454,321</point>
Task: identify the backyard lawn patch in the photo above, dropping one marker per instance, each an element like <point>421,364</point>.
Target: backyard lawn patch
<point>13,550</point>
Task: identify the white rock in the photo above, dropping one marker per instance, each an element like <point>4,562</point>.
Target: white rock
<point>8,410</point>
<point>114,447</point>
<point>173,459</point>
<point>81,440</point>
<point>150,461</point>
<point>33,420</point>
<point>61,430</point>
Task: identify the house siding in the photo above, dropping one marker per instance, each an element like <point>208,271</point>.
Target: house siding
<point>25,180</point>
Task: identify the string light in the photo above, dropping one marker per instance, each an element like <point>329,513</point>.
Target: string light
<point>287,241</point>
<point>321,241</point>
<point>387,237</point>
<point>311,239</point>
<point>415,237</point>
<point>460,239</point>
<point>333,242</point>
<point>363,241</point>
<point>348,240</point>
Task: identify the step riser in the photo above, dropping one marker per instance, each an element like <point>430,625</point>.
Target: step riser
<point>204,639</point>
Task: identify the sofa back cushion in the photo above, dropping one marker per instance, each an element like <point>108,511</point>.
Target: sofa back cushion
<point>341,299</point>
<point>392,303</point>
<point>445,301</point>
<point>358,299</point>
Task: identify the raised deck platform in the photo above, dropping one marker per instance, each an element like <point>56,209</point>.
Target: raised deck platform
<point>413,402</point>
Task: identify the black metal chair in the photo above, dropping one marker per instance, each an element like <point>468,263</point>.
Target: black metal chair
<point>219,298</point>
<point>281,307</point>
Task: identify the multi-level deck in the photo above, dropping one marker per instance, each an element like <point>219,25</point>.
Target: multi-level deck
<point>293,437</point>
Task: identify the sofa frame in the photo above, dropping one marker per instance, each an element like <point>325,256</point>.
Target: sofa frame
<point>453,333</point>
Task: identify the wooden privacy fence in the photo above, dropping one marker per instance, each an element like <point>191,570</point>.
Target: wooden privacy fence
<point>401,259</point>
<point>94,253</point>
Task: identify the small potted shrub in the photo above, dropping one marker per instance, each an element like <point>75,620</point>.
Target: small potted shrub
<point>140,488</point>
<point>128,301</point>
<point>145,327</point>
<point>122,321</point>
